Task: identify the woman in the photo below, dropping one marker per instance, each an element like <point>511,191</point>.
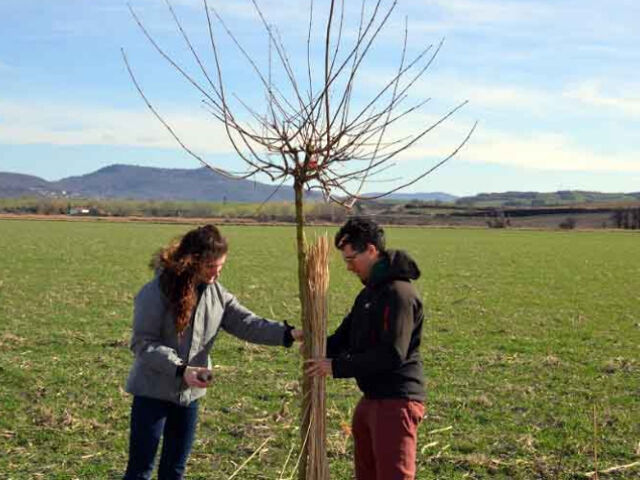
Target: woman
<point>177,316</point>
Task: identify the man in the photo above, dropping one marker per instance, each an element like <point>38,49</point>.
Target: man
<point>378,344</point>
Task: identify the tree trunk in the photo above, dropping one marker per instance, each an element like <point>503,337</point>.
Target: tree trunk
<point>306,383</point>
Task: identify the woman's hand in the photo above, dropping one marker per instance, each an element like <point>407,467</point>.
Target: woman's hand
<point>297,334</point>
<point>199,377</point>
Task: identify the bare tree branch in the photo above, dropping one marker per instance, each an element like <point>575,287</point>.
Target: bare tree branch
<point>175,136</point>
<point>429,171</point>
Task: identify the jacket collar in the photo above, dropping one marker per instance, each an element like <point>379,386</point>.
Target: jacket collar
<point>393,265</point>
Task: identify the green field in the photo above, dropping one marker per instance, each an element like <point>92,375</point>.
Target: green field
<point>530,336</point>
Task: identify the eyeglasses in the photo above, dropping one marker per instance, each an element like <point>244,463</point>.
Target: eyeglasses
<point>351,258</point>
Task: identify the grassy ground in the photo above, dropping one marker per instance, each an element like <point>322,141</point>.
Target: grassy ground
<point>528,335</point>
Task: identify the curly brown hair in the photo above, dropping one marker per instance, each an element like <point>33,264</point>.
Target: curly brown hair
<point>180,264</point>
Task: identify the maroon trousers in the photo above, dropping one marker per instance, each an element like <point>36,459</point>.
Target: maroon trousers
<point>385,437</point>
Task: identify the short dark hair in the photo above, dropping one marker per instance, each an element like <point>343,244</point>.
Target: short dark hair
<point>359,232</point>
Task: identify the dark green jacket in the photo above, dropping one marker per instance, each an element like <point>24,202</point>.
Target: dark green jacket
<point>378,342</point>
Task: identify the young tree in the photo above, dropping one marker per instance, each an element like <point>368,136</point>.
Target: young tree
<point>313,128</point>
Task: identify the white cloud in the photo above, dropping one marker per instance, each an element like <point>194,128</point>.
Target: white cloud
<point>540,151</point>
<point>543,29</point>
<point>497,16</point>
<point>590,93</point>
<point>483,97</point>
<point>587,97</point>
<point>273,10</point>
<point>494,96</point>
<point>60,124</point>
<point>492,11</point>
<point>548,151</point>
<point>508,97</point>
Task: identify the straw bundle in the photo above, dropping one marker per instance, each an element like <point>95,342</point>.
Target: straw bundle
<point>317,284</point>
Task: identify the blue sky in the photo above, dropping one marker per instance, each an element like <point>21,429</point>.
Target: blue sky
<point>555,86</point>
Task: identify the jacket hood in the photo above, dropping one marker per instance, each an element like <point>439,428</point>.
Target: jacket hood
<point>394,265</point>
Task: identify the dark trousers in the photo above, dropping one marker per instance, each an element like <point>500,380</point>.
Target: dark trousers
<point>150,420</point>
<point>385,438</point>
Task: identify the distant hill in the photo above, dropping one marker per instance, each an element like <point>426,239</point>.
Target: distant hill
<point>127,181</point>
<point>19,185</point>
<point>423,197</point>
<point>538,199</point>
<point>147,183</point>
<point>201,184</point>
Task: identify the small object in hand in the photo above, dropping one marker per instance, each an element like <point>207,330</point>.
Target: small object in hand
<point>204,376</point>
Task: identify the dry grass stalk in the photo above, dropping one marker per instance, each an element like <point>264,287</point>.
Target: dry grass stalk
<point>244,464</point>
<point>595,443</point>
<point>317,284</point>
<point>616,469</point>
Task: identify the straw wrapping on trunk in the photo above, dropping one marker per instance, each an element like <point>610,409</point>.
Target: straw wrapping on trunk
<point>315,327</point>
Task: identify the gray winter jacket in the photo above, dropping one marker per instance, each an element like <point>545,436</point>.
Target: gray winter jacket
<point>155,342</point>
